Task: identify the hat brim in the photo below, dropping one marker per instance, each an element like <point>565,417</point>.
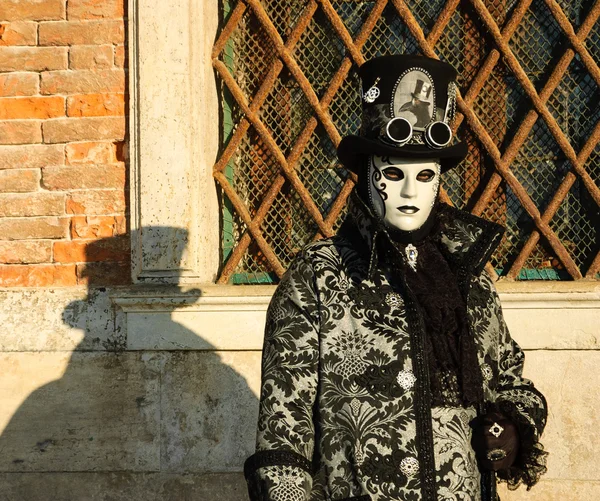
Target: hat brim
<point>351,147</point>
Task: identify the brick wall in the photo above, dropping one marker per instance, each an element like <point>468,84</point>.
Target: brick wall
<point>63,169</point>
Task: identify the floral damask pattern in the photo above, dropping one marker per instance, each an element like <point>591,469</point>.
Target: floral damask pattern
<point>458,477</point>
<point>340,386</point>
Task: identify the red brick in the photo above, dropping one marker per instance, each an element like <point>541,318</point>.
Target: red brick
<point>19,33</point>
<point>38,275</point>
<point>104,273</point>
<point>32,228</point>
<point>32,204</point>
<point>33,58</point>
<point>31,107</point>
<point>84,176</point>
<point>19,84</point>
<point>82,81</point>
<point>20,131</point>
<point>18,180</point>
<point>64,130</point>
<point>31,156</point>
<point>86,251</point>
<point>86,57</point>
<point>91,152</point>
<point>89,227</point>
<point>23,252</point>
<point>96,9</point>
<point>96,105</point>
<point>81,32</point>
<point>34,10</point>
<point>120,56</point>
<point>97,202</point>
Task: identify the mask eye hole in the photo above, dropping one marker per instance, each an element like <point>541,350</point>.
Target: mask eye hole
<point>425,175</point>
<point>393,174</point>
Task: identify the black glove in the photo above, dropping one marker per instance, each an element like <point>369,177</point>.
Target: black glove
<point>495,441</point>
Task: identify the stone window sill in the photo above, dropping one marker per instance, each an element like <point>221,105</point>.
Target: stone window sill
<point>214,317</point>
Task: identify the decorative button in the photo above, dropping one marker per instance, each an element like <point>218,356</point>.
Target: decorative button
<point>406,379</point>
<point>409,466</point>
<point>393,299</point>
<point>487,372</point>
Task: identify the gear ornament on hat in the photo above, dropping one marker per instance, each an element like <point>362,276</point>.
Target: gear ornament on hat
<point>372,94</point>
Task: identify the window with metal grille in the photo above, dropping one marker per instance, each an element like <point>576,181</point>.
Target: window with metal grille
<point>528,111</point>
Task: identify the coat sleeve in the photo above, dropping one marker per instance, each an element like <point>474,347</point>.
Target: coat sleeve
<point>518,399</point>
<point>281,467</point>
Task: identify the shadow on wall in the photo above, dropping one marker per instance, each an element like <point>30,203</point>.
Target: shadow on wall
<point>134,424</point>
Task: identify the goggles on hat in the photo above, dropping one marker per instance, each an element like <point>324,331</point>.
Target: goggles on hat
<point>400,131</point>
<point>437,134</point>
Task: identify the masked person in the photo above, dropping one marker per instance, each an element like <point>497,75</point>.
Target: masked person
<point>388,372</point>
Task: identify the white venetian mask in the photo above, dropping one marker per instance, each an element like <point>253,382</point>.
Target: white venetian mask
<point>403,191</point>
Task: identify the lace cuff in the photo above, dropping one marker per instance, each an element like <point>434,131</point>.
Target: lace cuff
<point>530,463</point>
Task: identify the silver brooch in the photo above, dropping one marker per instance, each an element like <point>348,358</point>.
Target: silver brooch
<point>411,256</point>
<point>373,93</point>
<point>409,466</point>
<point>406,379</point>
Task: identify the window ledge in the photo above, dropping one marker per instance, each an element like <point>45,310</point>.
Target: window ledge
<point>217,317</point>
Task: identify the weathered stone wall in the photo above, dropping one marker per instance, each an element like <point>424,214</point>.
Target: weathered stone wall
<point>86,416</point>
<point>112,394</point>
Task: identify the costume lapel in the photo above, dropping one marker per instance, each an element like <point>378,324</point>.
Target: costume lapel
<point>467,241</point>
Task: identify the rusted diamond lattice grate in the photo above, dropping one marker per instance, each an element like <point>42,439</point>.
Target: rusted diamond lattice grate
<point>529,113</point>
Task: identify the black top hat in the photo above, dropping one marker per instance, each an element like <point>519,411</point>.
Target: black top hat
<point>408,105</point>
<point>422,91</point>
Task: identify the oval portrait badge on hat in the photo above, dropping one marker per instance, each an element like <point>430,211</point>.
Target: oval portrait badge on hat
<point>414,98</point>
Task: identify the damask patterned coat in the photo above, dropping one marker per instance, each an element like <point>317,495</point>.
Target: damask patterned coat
<point>345,406</point>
